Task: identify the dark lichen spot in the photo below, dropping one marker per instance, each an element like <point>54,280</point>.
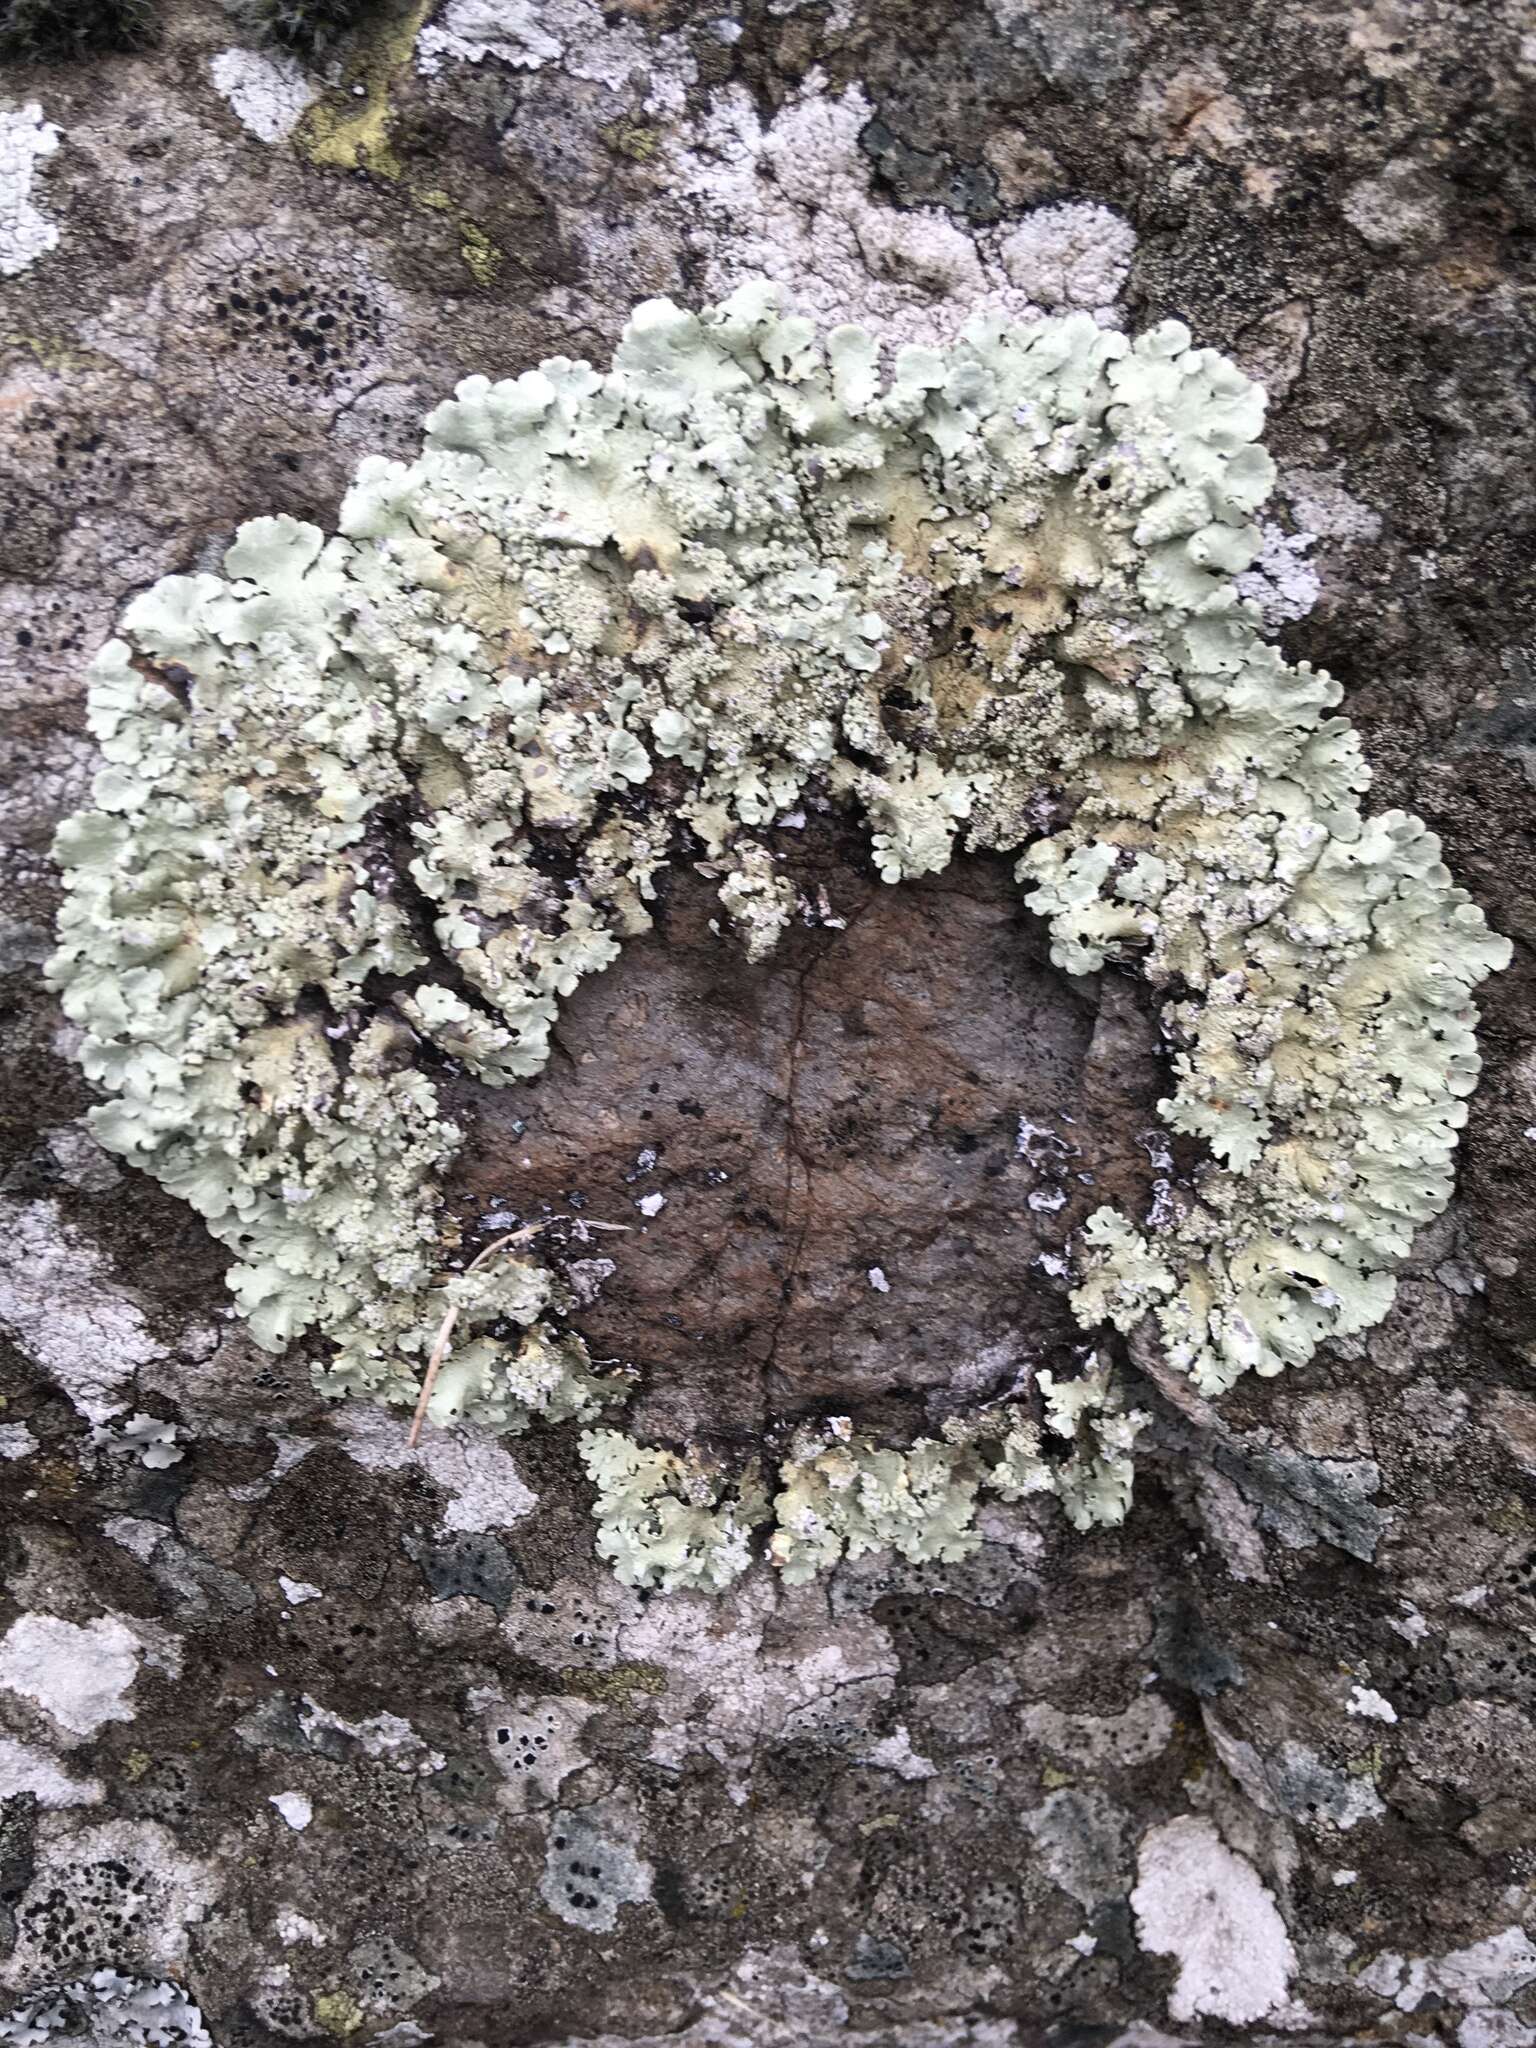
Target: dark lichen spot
<point>920,177</point>
<point>474,1567</point>
<point>313,332</point>
<point>1190,1655</point>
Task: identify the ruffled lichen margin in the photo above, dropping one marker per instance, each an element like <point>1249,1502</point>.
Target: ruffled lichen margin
<point>985,597</point>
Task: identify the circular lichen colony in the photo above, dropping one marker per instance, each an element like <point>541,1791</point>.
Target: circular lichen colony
<point>986,598</point>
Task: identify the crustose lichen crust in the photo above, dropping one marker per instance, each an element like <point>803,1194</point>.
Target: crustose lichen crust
<point>987,599</point>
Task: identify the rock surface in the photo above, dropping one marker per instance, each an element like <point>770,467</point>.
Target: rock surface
<point>321,1738</point>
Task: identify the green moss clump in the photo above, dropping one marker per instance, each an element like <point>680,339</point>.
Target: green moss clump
<point>309,28</point>
<point>62,31</point>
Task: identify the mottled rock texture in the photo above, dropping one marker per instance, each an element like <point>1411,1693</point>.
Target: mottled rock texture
<point>348,1742</point>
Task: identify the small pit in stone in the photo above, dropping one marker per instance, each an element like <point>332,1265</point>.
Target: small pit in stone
<point>873,1147</point>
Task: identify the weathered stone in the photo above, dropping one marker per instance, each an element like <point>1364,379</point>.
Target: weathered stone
<point>912,1805</point>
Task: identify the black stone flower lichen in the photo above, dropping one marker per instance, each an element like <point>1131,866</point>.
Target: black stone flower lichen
<point>59,31</point>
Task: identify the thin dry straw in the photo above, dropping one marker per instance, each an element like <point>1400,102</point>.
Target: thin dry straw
<point>451,1313</point>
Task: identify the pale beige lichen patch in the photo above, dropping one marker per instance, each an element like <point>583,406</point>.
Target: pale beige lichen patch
<point>944,591</point>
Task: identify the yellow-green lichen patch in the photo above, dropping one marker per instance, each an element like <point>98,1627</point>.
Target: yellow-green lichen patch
<point>620,1687</point>
<point>339,2013</point>
<point>349,129</point>
<point>963,593</point>
<point>481,256</point>
<point>632,139</point>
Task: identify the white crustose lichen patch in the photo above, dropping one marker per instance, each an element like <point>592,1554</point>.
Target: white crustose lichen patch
<point>269,95</point>
<point>59,1303</point>
<point>80,1676</point>
<point>1205,1906</point>
<point>130,2012</point>
<point>603,616</point>
<point>25,232</point>
<point>793,199</point>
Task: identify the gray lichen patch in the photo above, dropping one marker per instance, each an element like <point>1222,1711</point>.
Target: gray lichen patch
<point>373,805</point>
<point>590,1873</point>
<point>114,1888</point>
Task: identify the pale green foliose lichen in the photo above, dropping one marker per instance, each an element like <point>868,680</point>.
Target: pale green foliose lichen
<point>842,1496</point>
<point>667,1520</point>
<point>610,615</point>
